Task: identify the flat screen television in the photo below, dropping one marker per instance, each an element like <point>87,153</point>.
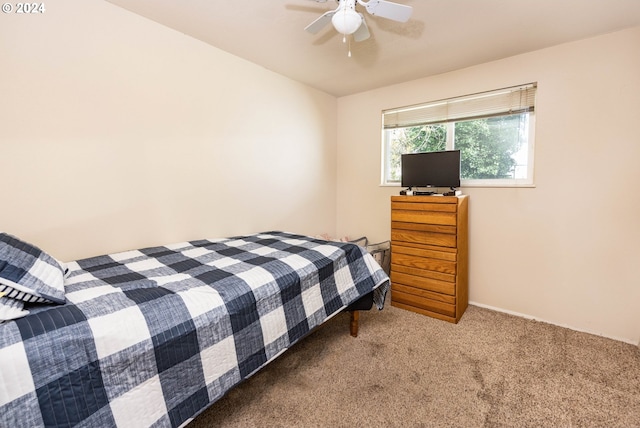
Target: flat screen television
<point>431,169</point>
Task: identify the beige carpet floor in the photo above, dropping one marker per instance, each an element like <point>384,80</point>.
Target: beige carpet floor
<point>404,369</point>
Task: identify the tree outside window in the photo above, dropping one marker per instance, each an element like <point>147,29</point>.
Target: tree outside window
<point>495,149</point>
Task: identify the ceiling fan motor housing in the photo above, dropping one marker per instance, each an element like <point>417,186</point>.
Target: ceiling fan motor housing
<point>346,20</point>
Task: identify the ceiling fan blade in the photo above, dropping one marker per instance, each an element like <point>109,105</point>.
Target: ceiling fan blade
<point>390,10</point>
<point>320,23</point>
<point>362,33</point>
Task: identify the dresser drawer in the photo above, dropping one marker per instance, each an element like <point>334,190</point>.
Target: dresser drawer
<point>425,217</point>
<point>447,277</point>
<point>425,206</point>
<point>423,283</point>
<point>422,237</point>
<point>432,252</point>
<point>424,263</point>
<point>425,303</point>
<point>439,297</point>
<point>424,227</point>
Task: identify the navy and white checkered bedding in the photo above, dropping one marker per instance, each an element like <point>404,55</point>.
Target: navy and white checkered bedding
<point>152,337</point>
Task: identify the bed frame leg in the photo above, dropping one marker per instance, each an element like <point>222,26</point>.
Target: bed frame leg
<point>355,316</point>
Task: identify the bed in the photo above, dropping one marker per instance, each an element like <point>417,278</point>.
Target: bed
<point>152,337</point>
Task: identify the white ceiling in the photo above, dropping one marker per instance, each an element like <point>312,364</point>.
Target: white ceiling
<point>442,35</point>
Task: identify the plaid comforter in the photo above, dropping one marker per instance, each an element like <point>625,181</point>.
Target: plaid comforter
<point>152,337</point>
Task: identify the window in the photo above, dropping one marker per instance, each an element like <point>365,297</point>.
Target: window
<point>493,131</point>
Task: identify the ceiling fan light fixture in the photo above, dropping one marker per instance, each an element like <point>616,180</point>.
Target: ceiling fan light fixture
<point>346,21</point>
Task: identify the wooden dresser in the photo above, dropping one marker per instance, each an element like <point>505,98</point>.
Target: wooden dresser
<point>429,255</point>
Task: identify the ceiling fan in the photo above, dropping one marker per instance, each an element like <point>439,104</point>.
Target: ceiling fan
<point>346,20</point>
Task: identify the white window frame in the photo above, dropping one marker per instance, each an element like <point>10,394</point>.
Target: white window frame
<point>508,182</point>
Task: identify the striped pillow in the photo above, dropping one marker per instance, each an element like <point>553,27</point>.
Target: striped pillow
<point>29,274</point>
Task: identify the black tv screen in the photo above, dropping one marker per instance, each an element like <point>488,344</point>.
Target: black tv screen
<point>431,169</point>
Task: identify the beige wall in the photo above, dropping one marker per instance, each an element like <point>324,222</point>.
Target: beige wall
<point>118,133</point>
<point>566,251</point>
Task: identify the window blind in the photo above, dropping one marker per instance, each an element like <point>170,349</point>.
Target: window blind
<point>513,100</point>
